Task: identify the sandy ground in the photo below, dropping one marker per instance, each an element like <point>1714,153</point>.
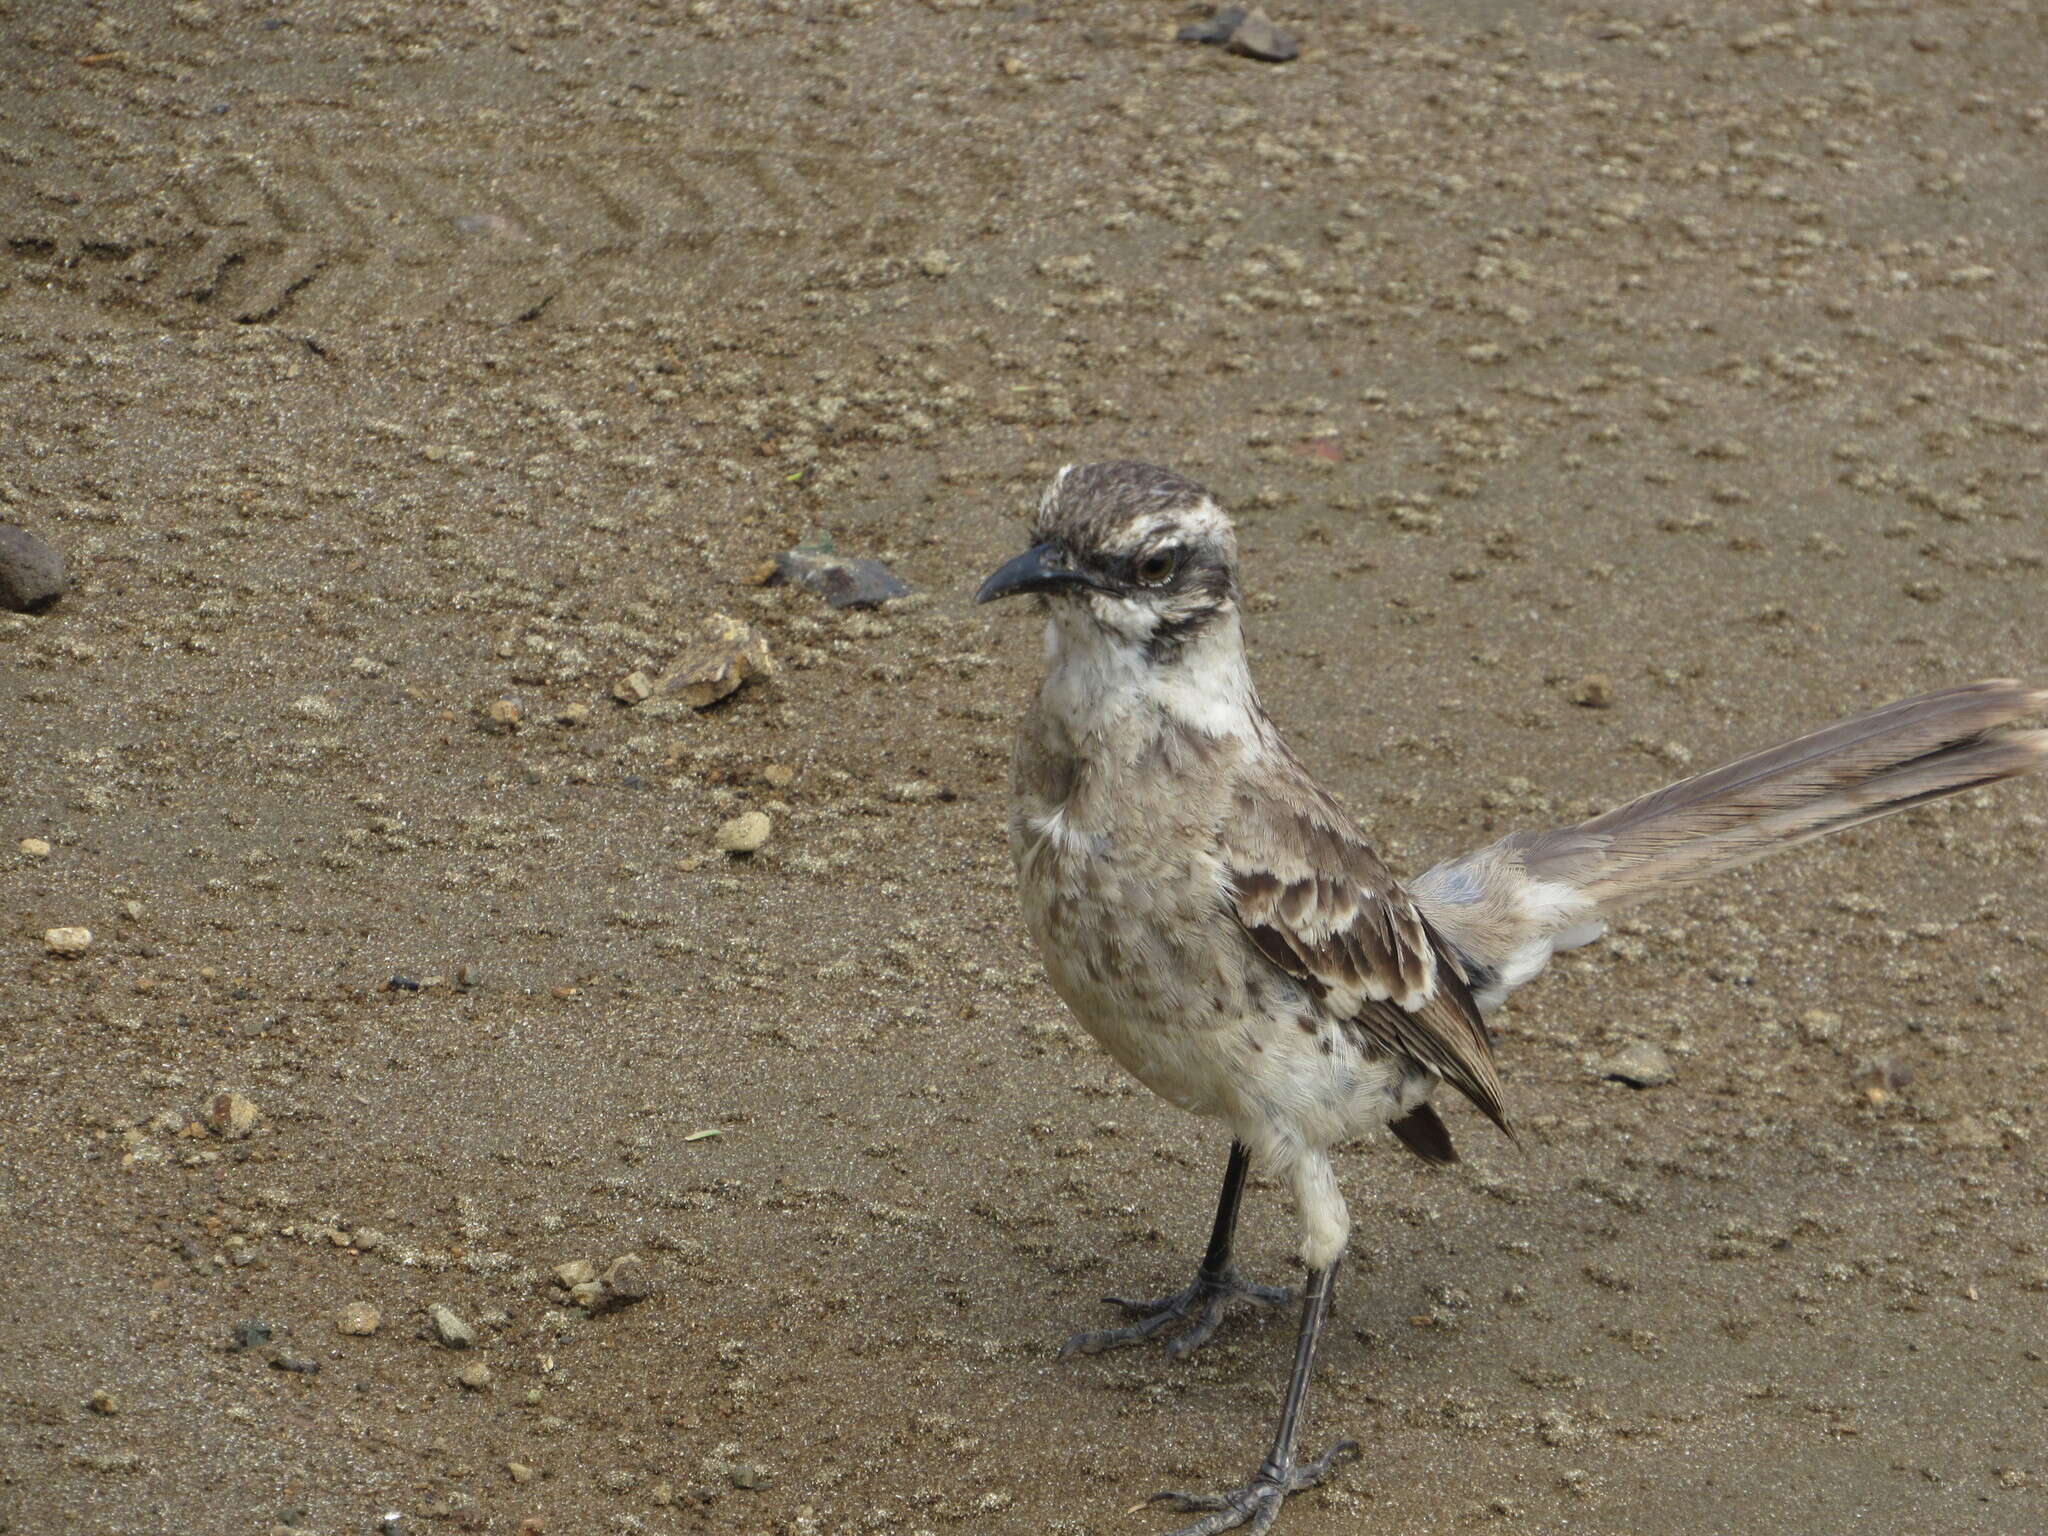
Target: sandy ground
<point>378,362</point>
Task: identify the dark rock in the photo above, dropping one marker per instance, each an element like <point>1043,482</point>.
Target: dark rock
<point>32,574</point>
<point>303,1365</point>
<point>1216,30</point>
<point>841,582</point>
<point>249,1334</point>
<point>1249,34</point>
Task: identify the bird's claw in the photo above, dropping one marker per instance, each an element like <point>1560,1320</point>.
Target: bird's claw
<point>1255,1506</point>
<point>1202,1303</point>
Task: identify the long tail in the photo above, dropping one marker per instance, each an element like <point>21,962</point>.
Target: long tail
<point>1507,907</point>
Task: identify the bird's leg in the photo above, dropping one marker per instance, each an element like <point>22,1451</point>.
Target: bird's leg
<point>1216,1285</point>
<point>1256,1505</point>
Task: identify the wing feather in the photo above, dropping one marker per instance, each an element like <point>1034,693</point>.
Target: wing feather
<point>1319,904</point>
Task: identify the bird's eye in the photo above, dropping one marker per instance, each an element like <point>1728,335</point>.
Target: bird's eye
<point>1157,568</point>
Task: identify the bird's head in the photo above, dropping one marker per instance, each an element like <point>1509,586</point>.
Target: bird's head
<point>1127,554</point>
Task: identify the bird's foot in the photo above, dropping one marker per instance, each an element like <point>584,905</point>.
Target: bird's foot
<point>1202,1304</point>
<point>1256,1505</point>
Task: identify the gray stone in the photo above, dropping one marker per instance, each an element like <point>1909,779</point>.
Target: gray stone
<point>1216,31</point>
<point>32,574</point>
<point>1257,38</point>
<point>1249,34</point>
<point>1642,1065</point>
<point>843,583</point>
<point>627,1279</point>
<point>449,1327</point>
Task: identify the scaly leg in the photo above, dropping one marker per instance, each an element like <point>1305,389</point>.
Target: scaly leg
<point>1216,1286</point>
<point>1256,1505</point>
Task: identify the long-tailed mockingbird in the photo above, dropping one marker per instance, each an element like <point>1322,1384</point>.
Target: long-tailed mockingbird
<point>1213,917</point>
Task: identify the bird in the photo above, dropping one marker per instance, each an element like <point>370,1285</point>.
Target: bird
<point>1215,920</point>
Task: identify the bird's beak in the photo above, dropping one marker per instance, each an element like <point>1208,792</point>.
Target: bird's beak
<point>1033,571</point>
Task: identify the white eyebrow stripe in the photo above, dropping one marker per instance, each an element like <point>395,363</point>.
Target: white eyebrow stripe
<point>1199,518</point>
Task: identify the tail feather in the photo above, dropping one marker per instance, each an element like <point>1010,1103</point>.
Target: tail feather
<point>1903,755</point>
<point>1507,906</point>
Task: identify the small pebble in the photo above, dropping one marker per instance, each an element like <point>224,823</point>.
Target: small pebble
<point>501,716</point>
<point>574,1273</point>
<point>1969,1133</point>
<point>104,1402</point>
<point>1249,34</point>
<point>843,583</point>
<point>1216,30</point>
<point>1819,1025</point>
<point>35,847</point>
<point>627,1279</point>
<point>475,1377</point>
<point>521,1472</point>
<point>1594,692</point>
<point>449,1327</point>
<point>744,834</point>
<point>72,942</point>
<point>634,688</point>
<point>249,1334</point>
<point>748,1474</point>
<point>1257,38</point>
<point>709,671</point>
<point>778,776</point>
<point>32,574</point>
<point>301,1365</point>
<point>1642,1065</point>
<point>358,1318</point>
<point>231,1115</point>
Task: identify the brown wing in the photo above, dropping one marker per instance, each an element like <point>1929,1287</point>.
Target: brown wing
<point>1319,904</point>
